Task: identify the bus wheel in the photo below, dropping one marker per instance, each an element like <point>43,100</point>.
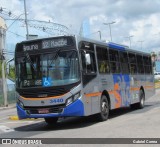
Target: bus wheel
<point>140,105</point>
<point>104,106</point>
<point>141,102</point>
<point>51,120</point>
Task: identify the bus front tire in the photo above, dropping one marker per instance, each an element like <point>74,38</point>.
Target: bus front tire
<point>51,120</point>
<point>104,109</point>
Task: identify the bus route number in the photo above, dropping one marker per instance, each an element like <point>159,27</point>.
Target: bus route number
<point>56,101</point>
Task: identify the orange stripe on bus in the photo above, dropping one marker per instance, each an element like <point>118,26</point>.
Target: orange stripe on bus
<point>35,99</point>
<point>134,88</point>
<point>93,94</point>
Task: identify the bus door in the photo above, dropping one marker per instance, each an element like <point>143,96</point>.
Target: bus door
<point>89,74</point>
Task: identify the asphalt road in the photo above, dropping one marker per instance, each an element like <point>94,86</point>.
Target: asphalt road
<point>122,123</point>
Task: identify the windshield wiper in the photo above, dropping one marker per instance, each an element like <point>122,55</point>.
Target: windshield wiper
<point>30,61</point>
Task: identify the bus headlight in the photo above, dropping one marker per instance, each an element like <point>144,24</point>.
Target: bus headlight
<point>20,103</point>
<point>73,98</point>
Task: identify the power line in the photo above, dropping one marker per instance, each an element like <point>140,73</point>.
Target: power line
<point>47,27</point>
<point>16,34</point>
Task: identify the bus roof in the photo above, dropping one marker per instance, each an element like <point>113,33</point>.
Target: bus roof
<point>98,42</point>
<point>112,45</point>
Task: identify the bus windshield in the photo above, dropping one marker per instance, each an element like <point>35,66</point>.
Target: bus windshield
<point>47,69</point>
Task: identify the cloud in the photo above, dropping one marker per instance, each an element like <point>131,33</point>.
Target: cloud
<point>133,17</point>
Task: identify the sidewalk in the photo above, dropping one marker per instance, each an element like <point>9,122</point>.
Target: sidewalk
<point>9,106</point>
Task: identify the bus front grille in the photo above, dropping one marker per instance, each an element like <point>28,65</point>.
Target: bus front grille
<point>43,93</point>
<point>45,109</point>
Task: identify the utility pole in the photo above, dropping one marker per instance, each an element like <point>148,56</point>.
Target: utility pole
<point>26,21</point>
<point>129,37</point>
<point>100,35</point>
<point>2,44</point>
<point>141,41</point>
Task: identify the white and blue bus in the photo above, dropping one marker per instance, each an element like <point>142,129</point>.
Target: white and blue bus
<point>72,76</point>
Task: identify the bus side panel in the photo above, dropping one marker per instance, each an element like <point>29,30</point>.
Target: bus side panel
<point>108,85</point>
<point>121,90</point>
<point>144,81</point>
<point>118,88</point>
<point>149,86</point>
<point>92,96</point>
<point>135,82</point>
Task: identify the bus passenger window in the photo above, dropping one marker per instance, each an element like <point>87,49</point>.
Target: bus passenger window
<point>102,57</point>
<point>114,61</point>
<point>133,63</point>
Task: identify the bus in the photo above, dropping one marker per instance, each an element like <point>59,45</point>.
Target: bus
<point>69,76</point>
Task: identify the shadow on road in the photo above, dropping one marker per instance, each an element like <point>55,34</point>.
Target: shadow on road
<point>81,122</point>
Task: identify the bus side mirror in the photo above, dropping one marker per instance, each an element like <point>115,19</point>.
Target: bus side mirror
<point>88,59</point>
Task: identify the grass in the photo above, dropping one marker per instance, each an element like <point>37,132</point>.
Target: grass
<point>156,81</point>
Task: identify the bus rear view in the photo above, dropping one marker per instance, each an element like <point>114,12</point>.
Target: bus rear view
<point>48,79</point>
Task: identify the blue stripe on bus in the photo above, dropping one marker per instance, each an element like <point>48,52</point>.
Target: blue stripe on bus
<point>116,46</point>
<point>74,109</point>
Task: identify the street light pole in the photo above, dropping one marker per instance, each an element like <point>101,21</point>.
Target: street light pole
<point>141,43</point>
<point>26,21</point>
<point>99,34</point>
<point>95,33</point>
<point>109,24</point>
<point>129,37</point>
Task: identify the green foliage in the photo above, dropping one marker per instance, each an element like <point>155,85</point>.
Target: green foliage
<point>156,81</point>
<point>11,71</point>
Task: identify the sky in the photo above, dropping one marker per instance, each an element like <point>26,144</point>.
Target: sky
<point>136,18</point>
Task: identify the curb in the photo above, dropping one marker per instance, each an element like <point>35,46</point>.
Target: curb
<point>9,107</point>
<point>15,117</point>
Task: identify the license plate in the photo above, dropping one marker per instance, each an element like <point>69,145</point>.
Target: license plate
<point>43,111</point>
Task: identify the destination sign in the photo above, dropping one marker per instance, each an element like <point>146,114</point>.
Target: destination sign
<point>30,47</point>
<point>59,42</point>
<point>47,44</point>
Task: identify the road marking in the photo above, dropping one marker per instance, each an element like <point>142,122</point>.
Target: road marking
<point>6,129</point>
<point>16,122</point>
<point>20,122</point>
<point>14,117</point>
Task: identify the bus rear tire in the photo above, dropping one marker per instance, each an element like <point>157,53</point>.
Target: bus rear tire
<point>104,109</point>
<point>51,120</point>
<point>141,102</point>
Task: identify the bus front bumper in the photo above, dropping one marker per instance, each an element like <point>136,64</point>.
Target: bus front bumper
<point>74,109</point>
